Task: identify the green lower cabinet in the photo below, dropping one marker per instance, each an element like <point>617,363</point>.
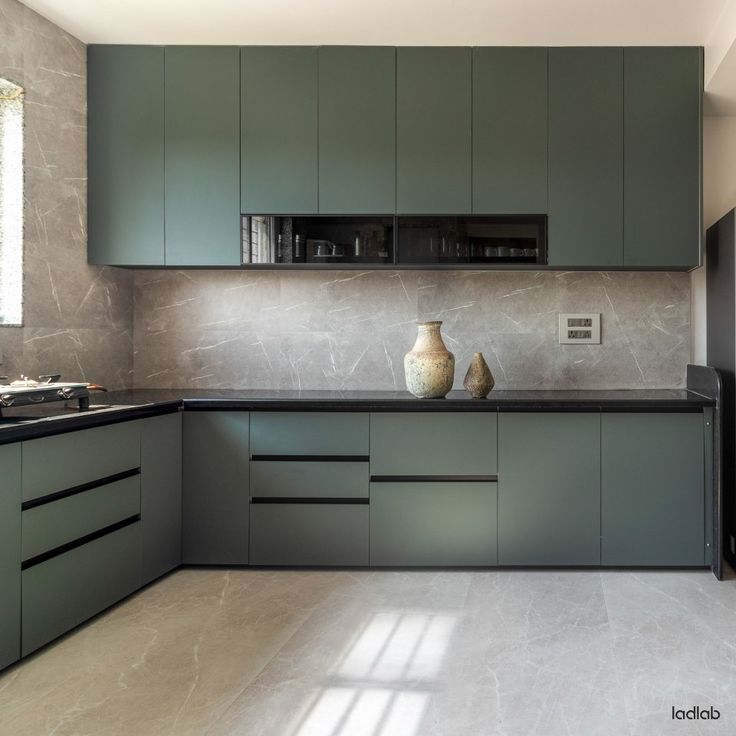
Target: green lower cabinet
<point>433,443</point>
<point>215,494</point>
<point>54,524</point>
<point>161,459</point>
<point>549,489</point>
<point>653,499</point>
<point>308,433</point>
<point>293,534</point>
<point>108,450</point>
<point>308,479</point>
<point>433,524</point>
<point>10,545</point>
<point>68,589</point>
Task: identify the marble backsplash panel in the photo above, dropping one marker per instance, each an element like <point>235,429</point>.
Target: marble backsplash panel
<point>350,330</point>
<point>78,318</point>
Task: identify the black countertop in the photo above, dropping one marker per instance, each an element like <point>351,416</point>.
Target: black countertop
<point>117,406</point>
<point>664,399</point>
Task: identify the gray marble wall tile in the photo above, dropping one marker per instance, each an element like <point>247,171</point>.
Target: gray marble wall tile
<point>78,319</point>
<point>350,330</point>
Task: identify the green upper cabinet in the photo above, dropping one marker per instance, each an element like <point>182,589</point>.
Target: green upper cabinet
<point>663,90</point>
<point>509,130</point>
<point>433,130</point>
<point>202,155</point>
<point>357,130</point>
<point>586,157</point>
<point>125,89</point>
<point>279,130</point>
<point>605,141</point>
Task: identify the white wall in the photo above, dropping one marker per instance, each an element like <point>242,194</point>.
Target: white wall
<point>719,196</point>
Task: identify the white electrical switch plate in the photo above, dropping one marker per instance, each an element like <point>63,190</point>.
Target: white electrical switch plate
<point>583,328</point>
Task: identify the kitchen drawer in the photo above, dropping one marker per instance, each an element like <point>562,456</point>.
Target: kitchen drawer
<point>55,523</point>
<point>435,443</point>
<point>308,479</point>
<point>295,534</point>
<point>63,461</point>
<point>308,433</point>
<point>68,589</point>
<point>433,524</point>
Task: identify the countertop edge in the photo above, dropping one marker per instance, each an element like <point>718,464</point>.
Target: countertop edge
<point>85,420</point>
<point>691,402</point>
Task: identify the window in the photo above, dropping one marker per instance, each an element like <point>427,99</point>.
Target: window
<point>11,203</point>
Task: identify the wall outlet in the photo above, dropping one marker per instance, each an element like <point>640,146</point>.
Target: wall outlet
<point>583,328</point>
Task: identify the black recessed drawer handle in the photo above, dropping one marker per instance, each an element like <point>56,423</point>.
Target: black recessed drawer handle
<point>313,458</point>
<point>86,539</point>
<point>303,500</point>
<point>434,478</point>
<point>58,495</point>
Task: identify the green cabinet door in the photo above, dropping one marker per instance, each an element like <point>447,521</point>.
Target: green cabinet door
<point>663,90</point>
<point>308,479</point>
<point>71,587</point>
<point>109,450</point>
<point>586,157</point>
<point>549,489</point>
<point>215,498</point>
<point>357,130</point>
<point>125,141</point>
<point>653,498</point>
<point>65,520</point>
<point>10,546</point>
<point>308,433</point>
<point>433,130</point>
<point>161,459</point>
<point>202,155</point>
<point>279,130</point>
<point>509,130</point>
<point>433,524</point>
<point>296,534</point>
<point>433,443</point>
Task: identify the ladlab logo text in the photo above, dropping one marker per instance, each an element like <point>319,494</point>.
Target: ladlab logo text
<point>696,713</point>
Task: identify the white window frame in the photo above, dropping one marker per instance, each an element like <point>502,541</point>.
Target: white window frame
<point>11,204</point>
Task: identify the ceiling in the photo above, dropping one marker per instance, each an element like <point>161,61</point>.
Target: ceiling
<point>387,22</point>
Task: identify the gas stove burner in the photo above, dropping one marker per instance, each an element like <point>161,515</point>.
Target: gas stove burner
<point>25,381</point>
<point>26,391</point>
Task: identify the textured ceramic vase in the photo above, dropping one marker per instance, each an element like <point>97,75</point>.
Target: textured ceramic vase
<point>429,366</point>
<point>479,379</point>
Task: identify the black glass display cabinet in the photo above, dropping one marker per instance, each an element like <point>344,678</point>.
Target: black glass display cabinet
<point>417,241</point>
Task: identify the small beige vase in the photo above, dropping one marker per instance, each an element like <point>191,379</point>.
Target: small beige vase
<point>429,366</point>
<point>479,379</point>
